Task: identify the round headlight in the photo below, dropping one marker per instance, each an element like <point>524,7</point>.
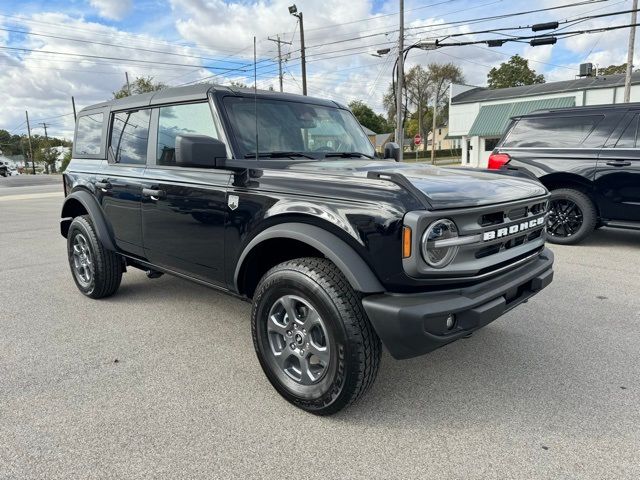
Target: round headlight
<point>442,256</point>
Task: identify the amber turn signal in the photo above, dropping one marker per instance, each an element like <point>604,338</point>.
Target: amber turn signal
<point>406,242</point>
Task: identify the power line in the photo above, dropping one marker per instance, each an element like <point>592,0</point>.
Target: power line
<point>120,46</point>
<point>562,35</point>
<point>119,59</point>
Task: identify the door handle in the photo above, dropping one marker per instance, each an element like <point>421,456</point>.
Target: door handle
<point>153,194</point>
<point>103,185</point>
<point>619,163</point>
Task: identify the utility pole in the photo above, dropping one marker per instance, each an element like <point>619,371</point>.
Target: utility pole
<point>399,117</point>
<point>632,42</point>
<point>278,41</point>
<point>126,75</point>
<point>293,10</point>
<point>33,163</point>
<point>46,140</point>
<point>73,103</point>
<point>433,132</point>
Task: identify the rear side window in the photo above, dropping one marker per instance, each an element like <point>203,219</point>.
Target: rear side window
<point>129,136</point>
<point>628,137</point>
<point>89,135</point>
<point>551,132</point>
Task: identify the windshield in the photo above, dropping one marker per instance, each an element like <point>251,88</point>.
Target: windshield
<point>294,127</point>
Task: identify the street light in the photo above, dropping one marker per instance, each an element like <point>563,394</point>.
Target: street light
<point>293,10</point>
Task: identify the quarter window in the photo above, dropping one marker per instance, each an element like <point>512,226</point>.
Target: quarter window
<point>552,132</point>
<point>89,135</point>
<point>628,137</point>
<point>129,136</point>
<point>189,119</point>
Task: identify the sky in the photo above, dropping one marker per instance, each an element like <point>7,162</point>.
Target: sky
<point>187,41</point>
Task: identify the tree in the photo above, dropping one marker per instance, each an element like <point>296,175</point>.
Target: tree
<point>418,85</point>
<point>514,73</point>
<point>441,76</point>
<point>49,156</point>
<point>368,118</point>
<point>613,70</point>
<point>139,85</point>
<point>422,89</point>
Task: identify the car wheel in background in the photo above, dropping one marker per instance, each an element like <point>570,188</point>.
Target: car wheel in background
<point>572,216</point>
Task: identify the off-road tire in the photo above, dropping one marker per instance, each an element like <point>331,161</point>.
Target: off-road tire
<point>355,347</point>
<point>589,215</point>
<point>107,265</point>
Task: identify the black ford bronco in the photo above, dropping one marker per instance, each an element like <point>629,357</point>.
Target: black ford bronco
<point>279,199</point>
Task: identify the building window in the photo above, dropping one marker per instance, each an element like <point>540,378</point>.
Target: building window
<point>490,144</point>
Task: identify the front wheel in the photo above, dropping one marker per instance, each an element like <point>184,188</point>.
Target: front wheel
<point>572,216</point>
<point>312,336</point>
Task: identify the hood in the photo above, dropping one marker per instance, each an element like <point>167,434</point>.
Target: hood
<point>444,188</point>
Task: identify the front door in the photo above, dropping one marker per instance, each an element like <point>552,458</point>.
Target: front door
<point>617,176</point>
<point>119,182</point>
<point>184,209</point>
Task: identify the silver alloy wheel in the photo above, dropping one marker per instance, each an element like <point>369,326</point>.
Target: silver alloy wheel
<point>298,339</point>
<point>82,260</point>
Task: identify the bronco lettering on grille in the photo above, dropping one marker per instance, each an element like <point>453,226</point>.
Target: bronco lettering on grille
<point>516,228</point>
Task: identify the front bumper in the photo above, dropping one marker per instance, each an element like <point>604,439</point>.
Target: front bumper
<point>414,324</point>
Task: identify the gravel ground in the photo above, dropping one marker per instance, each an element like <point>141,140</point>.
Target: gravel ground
<point>161,381</point>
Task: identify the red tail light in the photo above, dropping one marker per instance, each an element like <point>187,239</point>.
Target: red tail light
<point>498,160</point>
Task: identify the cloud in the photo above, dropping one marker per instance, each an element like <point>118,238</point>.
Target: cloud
<point>112,9</point>
<point>341,37</point>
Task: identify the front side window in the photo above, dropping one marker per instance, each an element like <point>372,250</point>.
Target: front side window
<point>285,126</point>
<point>628,137</point>
<point>190,119</point>
<point>129,136</point>
<point>551,132</point>
<point>89,135</point>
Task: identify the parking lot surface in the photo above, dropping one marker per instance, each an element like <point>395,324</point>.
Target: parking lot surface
<point>161,380</point>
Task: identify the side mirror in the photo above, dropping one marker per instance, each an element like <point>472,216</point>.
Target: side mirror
<point>392,150</point>
<point>199,151</point>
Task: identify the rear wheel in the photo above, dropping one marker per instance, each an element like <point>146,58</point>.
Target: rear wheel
<point>572,216</point>
<point>96,270</point>
<point>312,337</point>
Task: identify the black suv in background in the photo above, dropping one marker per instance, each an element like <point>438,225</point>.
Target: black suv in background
<point>588,157</point>
<point>278,199</point>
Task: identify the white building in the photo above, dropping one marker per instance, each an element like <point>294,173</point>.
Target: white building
<point>479,116</point>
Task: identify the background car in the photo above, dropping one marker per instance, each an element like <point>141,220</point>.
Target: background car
<point>588,157</point>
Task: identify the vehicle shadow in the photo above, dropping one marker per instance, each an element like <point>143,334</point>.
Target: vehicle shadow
<point>504,373</point>
<point>612,237</point>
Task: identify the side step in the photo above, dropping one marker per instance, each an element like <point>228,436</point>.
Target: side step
<point>625,225</point>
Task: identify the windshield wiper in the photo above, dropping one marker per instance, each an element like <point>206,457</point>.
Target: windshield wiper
<point>347,155</point>
<point>279,155</point>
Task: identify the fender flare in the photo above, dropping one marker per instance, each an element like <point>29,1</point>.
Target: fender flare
<point>353,267</point>
<point>90,204</point>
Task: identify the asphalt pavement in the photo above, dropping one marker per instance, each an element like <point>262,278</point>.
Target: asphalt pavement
<point>161,380</point>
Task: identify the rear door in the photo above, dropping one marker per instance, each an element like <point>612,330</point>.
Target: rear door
<point>184,209</point>
<point>617,178</point>
<point>120,179</point>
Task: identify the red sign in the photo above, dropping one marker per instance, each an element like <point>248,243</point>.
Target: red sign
<point>417,139</point>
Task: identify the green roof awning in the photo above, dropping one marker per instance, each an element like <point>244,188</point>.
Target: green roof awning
<point>493,119</point>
